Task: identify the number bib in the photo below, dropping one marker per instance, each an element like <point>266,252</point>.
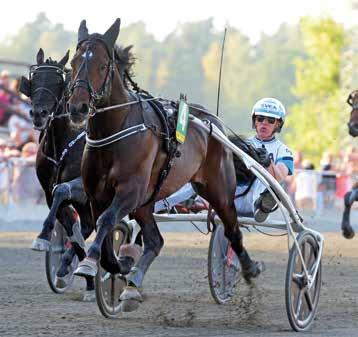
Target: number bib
<point>182,122</point>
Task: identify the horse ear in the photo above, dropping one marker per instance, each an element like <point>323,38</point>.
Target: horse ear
<point>350,99</point>
<point>64,60</point>
<point>25,86</point>
<point>40,56</point>
<point>127,49</point>
<point>111,35</point>
<point>82,31</point>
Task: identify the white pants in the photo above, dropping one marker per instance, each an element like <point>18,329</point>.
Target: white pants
<point>245,204</point>
<point>179,196</point>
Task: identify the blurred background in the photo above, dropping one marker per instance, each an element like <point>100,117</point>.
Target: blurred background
<point>303,53</point>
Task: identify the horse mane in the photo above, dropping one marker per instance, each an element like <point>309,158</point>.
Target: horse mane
<point>49,61</point>
<point>125,59</point>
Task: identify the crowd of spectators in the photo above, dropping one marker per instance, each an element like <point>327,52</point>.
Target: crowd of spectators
<point>321,187</point>
<point>14,112</point>
<point>18,145</point>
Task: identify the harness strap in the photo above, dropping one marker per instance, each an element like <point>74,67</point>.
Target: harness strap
<point>163,173</point>
<point>65,150</point>
<point>53,161</point>
<point>117,136</point>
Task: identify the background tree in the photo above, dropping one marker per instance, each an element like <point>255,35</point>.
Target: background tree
<point>23,46</point>
<point>314,121</point>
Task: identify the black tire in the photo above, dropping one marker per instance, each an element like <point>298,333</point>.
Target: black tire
<point>223,270</point>
<point>59,242</point>
<point>108,286</point>
<point>301,302</point>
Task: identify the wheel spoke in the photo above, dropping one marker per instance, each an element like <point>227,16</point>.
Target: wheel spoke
<point>312,268</point>
<point>299,304</point>
<point>222,249</point>
<point>303,251</point>
<point>112,293</point>
<point>308,299</point>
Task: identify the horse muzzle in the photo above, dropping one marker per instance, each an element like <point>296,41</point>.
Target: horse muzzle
<point>353,129</point>
<point>78,112</point>
<point>40,120</point>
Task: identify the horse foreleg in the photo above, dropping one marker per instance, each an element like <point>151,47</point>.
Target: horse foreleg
<point>63,274</point>
<point>153,243</point>
<point>68,191</point>
<point>349,198</point>
<point>122,204</point>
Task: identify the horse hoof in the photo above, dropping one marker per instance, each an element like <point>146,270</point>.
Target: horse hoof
<point>89,296</point>
<point>87,267</point>
<point>40,245</point>
<point>129,305</point>
<point>348,233</point>
<point>255,270</point>
<point>130,299</point>
<point>131,293</point>
<point>62,282</point>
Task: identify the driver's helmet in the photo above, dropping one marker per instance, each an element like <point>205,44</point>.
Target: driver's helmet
<point>269,107</point>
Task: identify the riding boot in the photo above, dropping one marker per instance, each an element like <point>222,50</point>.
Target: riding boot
<point>264,205</point>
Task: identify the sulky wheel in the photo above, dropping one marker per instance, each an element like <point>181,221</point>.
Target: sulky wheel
<point>223,267</point>
<point>301,296</point>
<point>59,244</point>
<point>108,286</point>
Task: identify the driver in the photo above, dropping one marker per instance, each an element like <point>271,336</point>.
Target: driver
<point>268,117</point>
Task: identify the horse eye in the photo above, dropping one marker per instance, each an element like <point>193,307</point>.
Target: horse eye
<point>103,67</point>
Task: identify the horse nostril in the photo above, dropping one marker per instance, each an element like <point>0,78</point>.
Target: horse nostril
<point>44,113</point>
<point>83,108</point>
<point>31,113</point>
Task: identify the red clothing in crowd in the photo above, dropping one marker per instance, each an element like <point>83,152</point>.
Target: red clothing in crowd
<point>4,101</point>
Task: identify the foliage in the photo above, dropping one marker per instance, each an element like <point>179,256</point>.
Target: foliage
<point>314,121</point>
<point>307,59</point>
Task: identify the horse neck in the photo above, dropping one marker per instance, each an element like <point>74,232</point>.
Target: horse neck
<point>109,122</point>
<point>58,135</point>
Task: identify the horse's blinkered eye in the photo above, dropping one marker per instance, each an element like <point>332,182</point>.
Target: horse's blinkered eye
<point>103,67</point>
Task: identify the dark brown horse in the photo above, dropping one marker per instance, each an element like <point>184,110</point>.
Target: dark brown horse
<point>121,175</point>
<point>47,88</point>
<point>352,195</point>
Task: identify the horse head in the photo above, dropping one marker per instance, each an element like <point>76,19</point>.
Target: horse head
<point>45,87</point>
<point>353,121</point>
<point>93,70</point>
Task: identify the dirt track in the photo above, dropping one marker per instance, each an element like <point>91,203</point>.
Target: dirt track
<point>177,298</point>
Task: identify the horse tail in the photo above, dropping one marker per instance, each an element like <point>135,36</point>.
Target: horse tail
<point>243,175</point>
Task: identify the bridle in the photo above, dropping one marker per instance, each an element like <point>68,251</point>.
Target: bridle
<point>96,97</point>
<point>350,100</point>
<point>60,71</point>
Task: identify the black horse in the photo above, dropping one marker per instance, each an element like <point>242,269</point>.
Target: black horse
<point>58,162</point>
<point>352,195</point>
<point>131,160</point>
